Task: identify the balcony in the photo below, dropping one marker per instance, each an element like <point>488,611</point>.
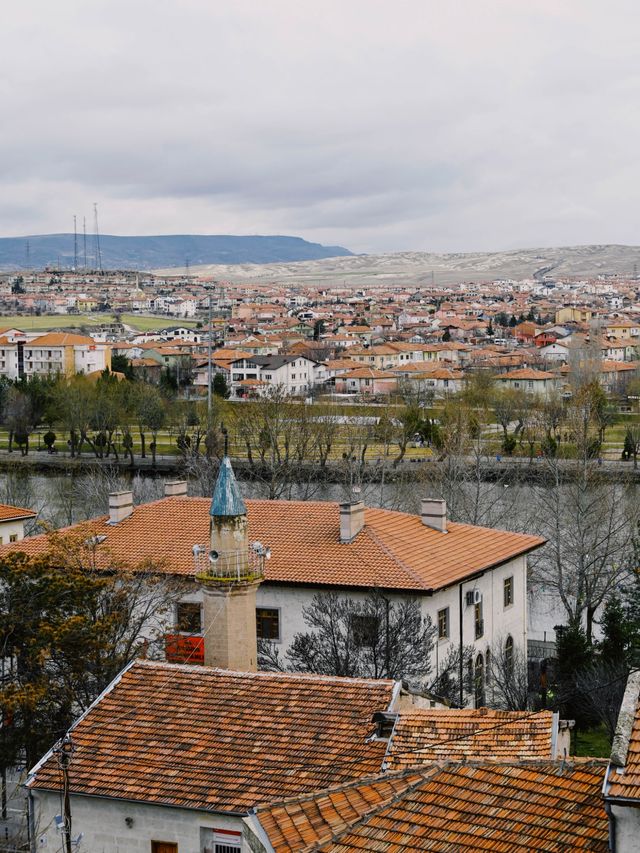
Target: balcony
<point>230,567</point>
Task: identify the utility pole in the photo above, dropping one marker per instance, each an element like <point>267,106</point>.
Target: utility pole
<point>75,245</point>
<point>64,750</point>
<point>209,400</point>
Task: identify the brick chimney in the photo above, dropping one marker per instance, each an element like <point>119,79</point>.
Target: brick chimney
<point>351,520</point>
<point>120,506</point>
<point>175,489</point>
<point>434,514</point>
<point>231,581</point>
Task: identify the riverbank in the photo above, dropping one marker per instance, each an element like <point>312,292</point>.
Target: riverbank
<point>506,469</point>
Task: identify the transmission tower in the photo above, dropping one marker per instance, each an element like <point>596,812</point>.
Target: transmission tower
<point>75,244</point>
<point>97,238</point>
<point>84,239</point>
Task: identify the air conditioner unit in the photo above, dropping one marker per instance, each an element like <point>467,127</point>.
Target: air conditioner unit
<point>473,597</point>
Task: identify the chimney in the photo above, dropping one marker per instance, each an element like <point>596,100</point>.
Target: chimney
<point>120,506</point>
<point>434,514</point>
<point>351,520</point>
<point>175,489</point>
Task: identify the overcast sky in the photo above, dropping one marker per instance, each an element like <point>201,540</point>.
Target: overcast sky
<point>431,125</point>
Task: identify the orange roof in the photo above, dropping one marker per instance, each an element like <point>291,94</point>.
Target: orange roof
<point>515,808</point>
<point>426,735</point>
<point>221,740</point>
<point>368,373</point>
<point>14,513</point>
<point>394,550</point>
<point>61,339</point>
<point>527,373</point>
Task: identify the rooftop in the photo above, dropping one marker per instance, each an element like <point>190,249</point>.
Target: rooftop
<point>394,550</point>
<point>511,806</point>
<point>220,740</point>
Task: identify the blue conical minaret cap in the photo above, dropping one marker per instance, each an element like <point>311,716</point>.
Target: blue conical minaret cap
<point>227,499</point>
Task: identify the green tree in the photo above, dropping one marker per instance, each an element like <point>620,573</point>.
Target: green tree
<point>220,387</point>
<point>121,364</point>
<point>66,630</point>
<point>574,656</point>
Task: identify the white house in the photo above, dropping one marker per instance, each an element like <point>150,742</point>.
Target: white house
<point>470,581</point>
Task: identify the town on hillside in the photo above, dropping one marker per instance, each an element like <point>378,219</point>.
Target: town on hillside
<point>293,567</point>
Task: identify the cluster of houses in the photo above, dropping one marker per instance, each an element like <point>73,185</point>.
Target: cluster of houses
<point>198,752</point>
<point>369,342</point>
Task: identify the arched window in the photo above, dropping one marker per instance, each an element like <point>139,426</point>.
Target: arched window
<point>478,682</point>
<point>508,656</point>
<point>487,668</point>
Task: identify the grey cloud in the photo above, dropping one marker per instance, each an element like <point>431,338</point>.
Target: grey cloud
<point>418,125</point>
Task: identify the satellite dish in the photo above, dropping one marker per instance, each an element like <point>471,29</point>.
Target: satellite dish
<point>213,556</point>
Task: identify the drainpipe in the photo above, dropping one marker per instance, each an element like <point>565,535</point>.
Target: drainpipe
<point>31,822</point>
<point>609,812</point>
<point>461,655</point>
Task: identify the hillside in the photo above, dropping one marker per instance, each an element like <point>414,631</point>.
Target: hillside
<point>425,267</point>
<point>177,250</point>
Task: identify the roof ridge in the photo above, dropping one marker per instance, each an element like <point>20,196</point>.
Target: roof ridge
<point>297,676</point>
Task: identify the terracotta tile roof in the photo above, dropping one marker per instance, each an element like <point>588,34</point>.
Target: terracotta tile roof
<point>502,808</point>
<point>9,513</point>
<point>394,550</point>
<point>62,339</point>
<point>301,823</point>
<point>424,736</point>
<point>526,373</point>
<point>212,739</point>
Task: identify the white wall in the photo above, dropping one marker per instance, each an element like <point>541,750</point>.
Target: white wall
<point>9,529</point>
<point>102,823</point>
<point>627,824</point>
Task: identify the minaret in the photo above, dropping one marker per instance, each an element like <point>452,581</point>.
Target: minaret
<point>231,580</point>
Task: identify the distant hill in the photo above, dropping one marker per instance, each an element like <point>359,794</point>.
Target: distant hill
<point>425,268</point>
<point>56,250</point>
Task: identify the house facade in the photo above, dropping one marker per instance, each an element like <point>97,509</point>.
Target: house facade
<point>471,582</point>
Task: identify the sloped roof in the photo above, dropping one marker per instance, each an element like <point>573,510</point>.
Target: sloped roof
<point>212,739</point>
<point>394,550</point>
<point>15,513</point>
<point>510,807</point>
<point>425,736</point>
<point>300,823</point>
<point>62,339</point>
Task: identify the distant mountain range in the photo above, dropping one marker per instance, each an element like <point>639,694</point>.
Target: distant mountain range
<point>427,268</point>
<point>174,250</point>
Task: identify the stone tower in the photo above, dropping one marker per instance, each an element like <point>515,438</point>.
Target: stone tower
<point>231,580</point>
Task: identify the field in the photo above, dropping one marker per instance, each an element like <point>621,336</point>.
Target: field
<point>31,322</point>
<point>141,322</point>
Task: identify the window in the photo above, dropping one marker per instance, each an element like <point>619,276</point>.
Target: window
<point>508,592</point>
<point>478,682</point>
<point>365,629</point>
<point>479,621</point>
<point>443,623</point>
<point>13,537</point>
<point>189,617</point>
<point>508,656</point>
<point>220,841</point>
<point>487,667</point>
<point>268,623</point>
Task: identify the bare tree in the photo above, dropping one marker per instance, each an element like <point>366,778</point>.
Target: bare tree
<point>380,637</point>
<point>590,523</point>
<point>507,676</point>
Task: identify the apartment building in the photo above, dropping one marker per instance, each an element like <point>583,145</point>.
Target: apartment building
<point>23,355</point>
